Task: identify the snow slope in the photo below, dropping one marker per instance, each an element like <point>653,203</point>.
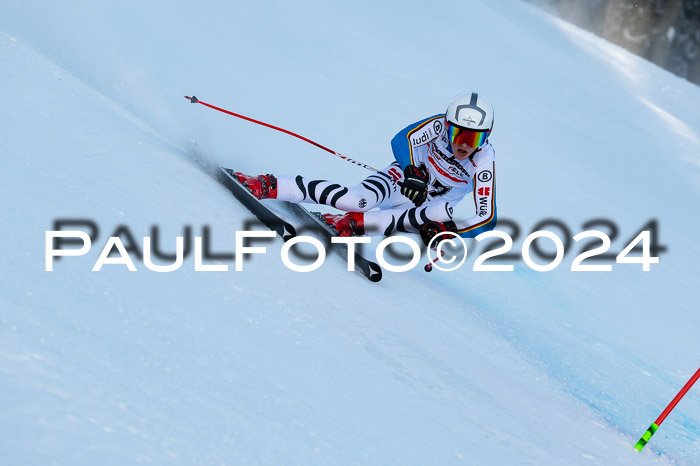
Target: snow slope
<point>272,366</point>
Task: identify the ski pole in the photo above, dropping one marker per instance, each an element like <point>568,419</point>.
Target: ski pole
<point>655,425</point>
<point>429,266</point>
<point>195,100</point>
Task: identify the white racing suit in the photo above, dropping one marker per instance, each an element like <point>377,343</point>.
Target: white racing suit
<point>421,144</point>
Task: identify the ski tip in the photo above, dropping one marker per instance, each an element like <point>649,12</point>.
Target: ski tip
<point>375,273</point>
<point>288,232</point>
<point>192,99</point>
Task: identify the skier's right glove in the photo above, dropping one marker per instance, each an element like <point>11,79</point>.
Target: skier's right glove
<point>415,184</point>
<point>429,230</point>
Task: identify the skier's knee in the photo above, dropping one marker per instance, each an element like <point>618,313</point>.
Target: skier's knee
<point>354,201</point>
<point>439,211</point>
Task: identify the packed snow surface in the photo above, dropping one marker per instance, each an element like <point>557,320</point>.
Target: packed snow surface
<point>271,366</point>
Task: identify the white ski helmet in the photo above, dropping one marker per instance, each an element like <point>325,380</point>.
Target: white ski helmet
<point>469,119</point>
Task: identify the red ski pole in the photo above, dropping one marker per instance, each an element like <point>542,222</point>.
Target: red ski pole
<point>429,266</point>
<point>439,254</point>
<point>655,425</point>
<point>195,100</point>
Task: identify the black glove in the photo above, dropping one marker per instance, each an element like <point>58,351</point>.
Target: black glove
<point>415,184</point>
<point>430,229</point>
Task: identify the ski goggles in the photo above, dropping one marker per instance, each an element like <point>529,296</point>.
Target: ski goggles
<point>458,136</point>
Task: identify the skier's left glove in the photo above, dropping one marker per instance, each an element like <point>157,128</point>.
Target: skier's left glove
<point>430,229</point>
<point>415,184</point>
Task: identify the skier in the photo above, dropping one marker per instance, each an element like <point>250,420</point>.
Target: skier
<point>439,160</point>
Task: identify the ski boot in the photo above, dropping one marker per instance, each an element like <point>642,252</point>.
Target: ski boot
<point>262,187</point>
<point>350,224</point>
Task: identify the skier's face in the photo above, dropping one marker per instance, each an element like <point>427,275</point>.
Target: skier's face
<point>462,151</point>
